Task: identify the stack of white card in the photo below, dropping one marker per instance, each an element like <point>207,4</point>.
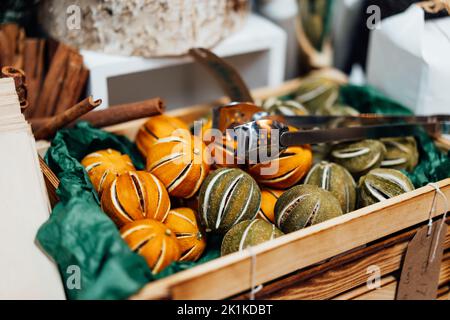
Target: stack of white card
<point>25,271</point>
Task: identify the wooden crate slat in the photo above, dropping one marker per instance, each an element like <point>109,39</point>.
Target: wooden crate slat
<point>388,293</point>
<point>359,254</point>
<point>444,293</point>
<point>389,286</point>
<point>342,277</point>
<point>353,294</point>
<point>384,293</point>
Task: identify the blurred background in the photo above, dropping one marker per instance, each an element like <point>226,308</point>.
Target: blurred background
<point>135,50</point>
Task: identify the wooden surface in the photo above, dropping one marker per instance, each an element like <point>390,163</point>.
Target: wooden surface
<point>231,274</point>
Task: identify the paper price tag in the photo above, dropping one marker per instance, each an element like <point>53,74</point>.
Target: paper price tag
<point>419,279</point>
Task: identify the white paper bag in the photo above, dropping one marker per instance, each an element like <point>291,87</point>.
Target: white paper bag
<point>409,60</point>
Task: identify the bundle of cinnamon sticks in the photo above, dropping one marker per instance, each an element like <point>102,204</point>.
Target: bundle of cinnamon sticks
<point>12,45</point>
<point>56,75</point>
<point>19,81</point>
<point>52,82</point>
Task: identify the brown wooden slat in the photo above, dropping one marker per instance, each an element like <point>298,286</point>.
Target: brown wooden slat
<point>444,293</point>
<point>353,294</point>
<point>384,293</point>
<point>51,182</point>
<point>342,273</point>
<point>342,278</point>
<point>388,291</point>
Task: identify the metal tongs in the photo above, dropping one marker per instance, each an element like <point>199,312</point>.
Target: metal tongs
<point>256,129</point>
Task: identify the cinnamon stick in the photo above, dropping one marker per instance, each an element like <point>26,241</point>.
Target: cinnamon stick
<point>12,31</point>
<point>53,82</point>
<point>59,121</point>
<point>82,82</point>
<point>12,41</point>
<point>19,81</point>
<point>50,50</point>
<point>34,70</point>
<point>125,112</point>
<point>114,114</point>
<point>20,48</point>
<point>6,53</point>
<point>72,82</point>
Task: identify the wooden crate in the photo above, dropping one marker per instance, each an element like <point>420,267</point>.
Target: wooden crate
<point>325,261</point>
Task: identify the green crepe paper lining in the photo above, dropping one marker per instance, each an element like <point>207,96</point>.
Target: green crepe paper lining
<point>79,233</point>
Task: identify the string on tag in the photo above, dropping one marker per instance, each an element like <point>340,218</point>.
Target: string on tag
<point>430,220</point>
<point>254,289</point>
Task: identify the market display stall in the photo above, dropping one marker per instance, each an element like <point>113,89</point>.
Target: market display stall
<point>313,189</point>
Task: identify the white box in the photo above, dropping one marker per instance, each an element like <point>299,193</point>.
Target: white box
<point>409,61</point>
<point>257,51</point>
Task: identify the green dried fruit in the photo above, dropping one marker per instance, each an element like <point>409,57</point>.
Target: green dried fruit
<point>382,184</point>
<point>338,110</point>
<point>303,206</point>
<point>284,107</point>
<point>316,93</point>
<point>401,154</point>
<point>248,234</point>
<point>227,197</point>
<point>336,179</point>
<point>359,157</point>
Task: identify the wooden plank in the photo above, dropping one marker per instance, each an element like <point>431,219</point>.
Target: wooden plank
<point>388,293</point>
<point>389,286</point>
<point>444,293</point>
<point>353,294</point>
<point>384,293</point>
<point>342,277</point>
<point>231,274</point>
<point>301,276</point>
